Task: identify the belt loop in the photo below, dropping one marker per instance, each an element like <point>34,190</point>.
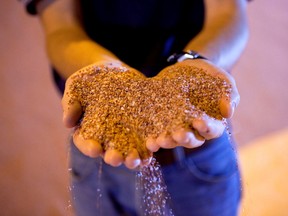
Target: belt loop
<point>179,155</point>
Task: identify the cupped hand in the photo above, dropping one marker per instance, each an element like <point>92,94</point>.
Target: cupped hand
<point>204,126</point>
<point>74,110</point>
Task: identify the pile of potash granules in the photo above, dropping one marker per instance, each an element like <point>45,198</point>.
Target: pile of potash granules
<point>122,107</point>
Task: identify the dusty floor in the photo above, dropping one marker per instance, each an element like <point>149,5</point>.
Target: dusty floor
<point>33,141</point>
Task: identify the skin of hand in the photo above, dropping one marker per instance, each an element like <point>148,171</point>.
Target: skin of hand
<point>205,127</point>
<point>72,113</point>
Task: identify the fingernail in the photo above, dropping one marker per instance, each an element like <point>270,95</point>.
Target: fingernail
<point>232,109</point>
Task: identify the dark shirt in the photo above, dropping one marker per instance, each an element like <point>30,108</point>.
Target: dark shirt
<point>142,33</point>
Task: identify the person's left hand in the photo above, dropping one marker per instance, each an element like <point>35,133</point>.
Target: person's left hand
<point>204,127</point>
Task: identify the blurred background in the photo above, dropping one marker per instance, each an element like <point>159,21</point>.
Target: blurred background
<point>33,154</point>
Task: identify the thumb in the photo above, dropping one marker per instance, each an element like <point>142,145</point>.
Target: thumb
<point>72,110</point>
<point>228,106</point>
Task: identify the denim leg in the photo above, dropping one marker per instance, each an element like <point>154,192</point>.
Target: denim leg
<point>99,189</point>
<point>207,183</point>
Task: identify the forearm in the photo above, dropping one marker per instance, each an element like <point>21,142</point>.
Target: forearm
<point>68,46</point>
<point>225,32</point>
<point>69,49</point>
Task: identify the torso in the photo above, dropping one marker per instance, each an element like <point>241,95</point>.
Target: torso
<point>143,33</point>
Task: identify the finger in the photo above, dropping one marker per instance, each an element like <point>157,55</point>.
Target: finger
<point>187,138</point>
<point>113,157</point>
<point>88,147</point>
<point>151,145</point>
<point>132,160</point>
<point>72,109</point>
<point>166,141</point>
<point>71,113</point>
<point>228,106</point>
<point>229,103</point>
<point>209,128</point>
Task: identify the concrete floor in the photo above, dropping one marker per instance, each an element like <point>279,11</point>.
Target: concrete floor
<point>33,156</point>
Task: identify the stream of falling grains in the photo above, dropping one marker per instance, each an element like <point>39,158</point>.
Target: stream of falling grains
<point>151,191</point>
<point>122,108</point>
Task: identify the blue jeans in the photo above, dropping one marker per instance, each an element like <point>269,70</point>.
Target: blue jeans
<point>204,183</point>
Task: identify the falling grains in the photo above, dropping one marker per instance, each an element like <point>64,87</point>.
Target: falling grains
<point>152,191</point>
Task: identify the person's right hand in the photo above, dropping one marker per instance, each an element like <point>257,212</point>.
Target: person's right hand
<point>72,114</point>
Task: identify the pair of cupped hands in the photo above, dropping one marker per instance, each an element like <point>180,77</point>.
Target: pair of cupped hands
<point>203,127</point>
